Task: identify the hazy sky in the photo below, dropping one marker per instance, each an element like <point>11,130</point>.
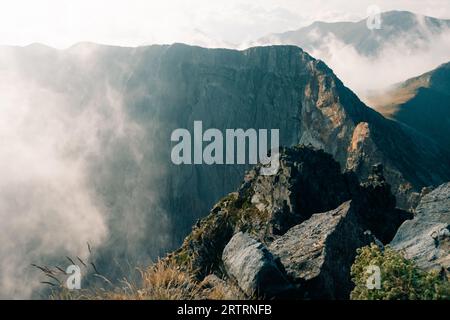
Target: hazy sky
<point>61,23</point>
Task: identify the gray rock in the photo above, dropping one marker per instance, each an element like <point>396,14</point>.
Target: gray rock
<point>426,238</point>
<point>254,268</point>
<point>318,253</point>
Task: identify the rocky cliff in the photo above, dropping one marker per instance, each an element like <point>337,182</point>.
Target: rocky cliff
<point>294,234</point>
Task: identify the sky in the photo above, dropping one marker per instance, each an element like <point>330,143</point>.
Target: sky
<point>62,23</point>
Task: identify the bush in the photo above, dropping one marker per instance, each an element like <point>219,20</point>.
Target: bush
<point>400,277</point>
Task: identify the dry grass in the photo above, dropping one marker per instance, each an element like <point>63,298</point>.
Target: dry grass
<point>161,281</point>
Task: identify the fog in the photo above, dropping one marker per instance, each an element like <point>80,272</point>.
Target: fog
<point>54,199</point>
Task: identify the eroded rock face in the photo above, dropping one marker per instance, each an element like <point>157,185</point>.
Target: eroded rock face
<point>318,253</point>
<point>310,181</point>
<point>307,182</point>
<point>426,238</point>
<point>257,272</point>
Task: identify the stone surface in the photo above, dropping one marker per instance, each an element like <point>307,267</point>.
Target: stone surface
<point>426,238</point>
<point>254,268</point>
<point>318,253</point>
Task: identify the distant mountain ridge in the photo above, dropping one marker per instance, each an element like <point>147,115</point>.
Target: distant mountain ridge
<point>406,44</point>
<point>395,25</point>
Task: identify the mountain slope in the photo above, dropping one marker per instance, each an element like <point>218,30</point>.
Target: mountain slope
<point>104,115</point>
<point>422,103</point>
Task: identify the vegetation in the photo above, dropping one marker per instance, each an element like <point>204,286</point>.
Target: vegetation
<point>161,281</point>
<point>400,277</point>
<point>201,251</point>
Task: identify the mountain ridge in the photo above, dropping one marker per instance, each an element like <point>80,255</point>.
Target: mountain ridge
<point>357,34</point>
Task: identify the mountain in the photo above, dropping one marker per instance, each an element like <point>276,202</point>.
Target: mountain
<point>89,136</point>
<point>395,26</point>
<point>422,103</point>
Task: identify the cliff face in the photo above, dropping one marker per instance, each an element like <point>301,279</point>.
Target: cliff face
<point>154,90</point>
<point>276,87</point>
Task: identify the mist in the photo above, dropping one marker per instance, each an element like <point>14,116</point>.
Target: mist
<point>70,162</point>
<point>395,63</point>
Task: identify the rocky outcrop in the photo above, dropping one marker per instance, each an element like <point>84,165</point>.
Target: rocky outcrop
<point>426,238</point>
<point>279,212</point>
<point>318,253</point>
<point>257,272</point>
<point>310,181</point>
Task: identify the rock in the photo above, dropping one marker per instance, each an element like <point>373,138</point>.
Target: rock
<point>254,268</point>
<point>317,254</point>
<point>426,238</point>
<point>309,181</point>
<point>377,206</point>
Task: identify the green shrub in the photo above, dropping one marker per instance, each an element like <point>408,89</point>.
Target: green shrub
<point>400,277</point>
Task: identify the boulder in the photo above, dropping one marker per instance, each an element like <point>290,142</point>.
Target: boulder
<point>254,268</point>
<point>426,238</point>
<point>317,254</point>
